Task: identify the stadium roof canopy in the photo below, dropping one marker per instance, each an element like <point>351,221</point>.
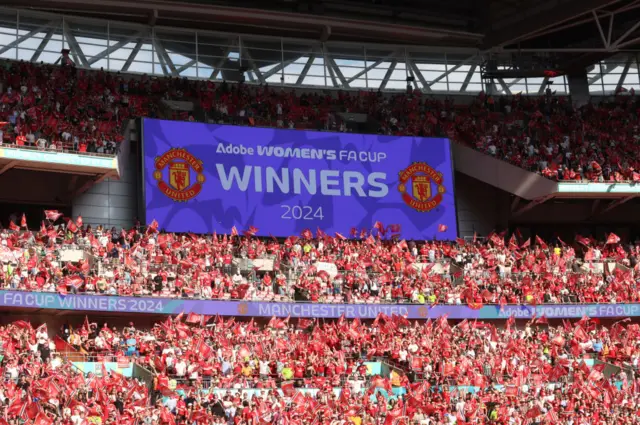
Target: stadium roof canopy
<point>525,24</point>
<point>357,43</point>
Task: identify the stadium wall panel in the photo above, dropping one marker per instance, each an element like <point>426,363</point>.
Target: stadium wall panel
<point>481,207</point>
<point>112,202</point>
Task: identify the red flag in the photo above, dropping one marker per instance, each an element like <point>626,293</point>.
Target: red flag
<point>71,226</point>
<point>526,244</point>
<point>79,221</point>
<point>52,215</point>
<point>394,228</point>
<point>513,242</point>
<point>442,228</point>
<point>123,362</point>
<point>542,320</point>
<point>234,231</point>
<point>582,240</point>
<point>12,226</point>
<point>511,391</point>
<point>287,388</point>
<point>304,323</point>
<point>43,228</point>
<point>252,231</point>
<point>42,328</point>
<point>204,350</point>
<point>193,318</point>
<point>589,255</point>
<point>595,375</point>
<point>541,243</point>
<point>580,334</point>
<point>497,240</point>
<point>340,236</point>
<point>558,340</point>
<point>551,416</point>
<point>613,239</point>
<point>153,227</point>
<point>534,412</point>
<point>42,419</point>
<point>22,324</point>
<point>23,221</point>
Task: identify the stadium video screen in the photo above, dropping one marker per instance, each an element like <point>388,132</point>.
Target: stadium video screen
<point>206,178</point>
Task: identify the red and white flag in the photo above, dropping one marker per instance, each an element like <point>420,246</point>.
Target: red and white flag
<point>613,239</point>
<point>23,221</point>
<point>52,215</point>
<point>442,228</point>
<point>71,226</point>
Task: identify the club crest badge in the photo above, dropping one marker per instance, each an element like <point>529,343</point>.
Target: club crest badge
<point>421,186</point>
<point>179,174</point>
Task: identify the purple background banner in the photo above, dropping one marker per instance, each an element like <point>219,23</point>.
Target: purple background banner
<point>54,301</point>
<point>285,181</point>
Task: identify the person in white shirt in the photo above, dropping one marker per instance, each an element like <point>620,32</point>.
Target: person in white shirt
<point>237,278</point>
<point>42,337</point>
<point>597,254</point>
<point>265,370</point>
<point>181,368</point>
<point>13,372</point>
<point>402,354</point>
<point>76,417</point>
<point>460,407</point>
<point>99,342</point>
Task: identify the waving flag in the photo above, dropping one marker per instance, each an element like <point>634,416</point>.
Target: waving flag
<point>52,215</point>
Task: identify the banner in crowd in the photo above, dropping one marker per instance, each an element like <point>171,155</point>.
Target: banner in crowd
<point>206,178</point>
<point>102,303</point>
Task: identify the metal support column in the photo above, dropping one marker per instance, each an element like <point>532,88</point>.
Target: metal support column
<point>74,46</point>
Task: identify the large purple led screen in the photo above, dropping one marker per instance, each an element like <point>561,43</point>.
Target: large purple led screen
<point>206,178</point>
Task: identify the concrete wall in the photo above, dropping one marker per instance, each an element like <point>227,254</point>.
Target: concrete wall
<point>481,207</point>
<point>113,202</point>
<point>500,174</point>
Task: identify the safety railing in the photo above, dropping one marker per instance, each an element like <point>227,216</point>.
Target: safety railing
<point>6,145</point>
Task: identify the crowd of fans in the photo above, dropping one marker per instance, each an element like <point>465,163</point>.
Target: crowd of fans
<point>211,370</point>
<point>318,268</point>
<point>61,107</point>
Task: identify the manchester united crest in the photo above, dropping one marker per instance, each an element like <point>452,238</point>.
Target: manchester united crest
<point>179,175</point>
<point>421,186</point>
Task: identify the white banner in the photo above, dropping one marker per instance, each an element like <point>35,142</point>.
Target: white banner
<point>262,264</point>
<point>73,255</point>
<point>330,268</point>
<point>437,268</point>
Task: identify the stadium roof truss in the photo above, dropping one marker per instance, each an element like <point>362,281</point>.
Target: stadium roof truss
<point>586,26</point>
<point>145,49</point>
